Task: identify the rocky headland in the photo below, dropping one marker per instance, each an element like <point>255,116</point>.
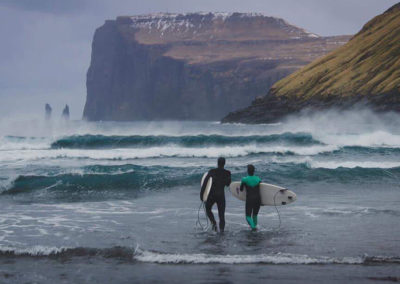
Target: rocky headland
<point>365,71</point>
<point>197,66</point>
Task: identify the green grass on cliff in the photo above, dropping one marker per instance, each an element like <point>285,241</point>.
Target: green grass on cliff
<point>368,64</point>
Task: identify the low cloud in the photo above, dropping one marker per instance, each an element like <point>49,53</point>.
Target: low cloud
<point>46,6</point>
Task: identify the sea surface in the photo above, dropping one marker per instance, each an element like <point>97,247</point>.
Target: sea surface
<point>118,202</point>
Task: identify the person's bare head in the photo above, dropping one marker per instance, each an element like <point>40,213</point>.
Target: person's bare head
<point>250,170</point>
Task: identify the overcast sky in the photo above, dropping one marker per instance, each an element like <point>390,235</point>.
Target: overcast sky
<point>46,44</point>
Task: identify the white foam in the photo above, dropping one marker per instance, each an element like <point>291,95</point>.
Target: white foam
<point>371,139</point>
<point>357,127</point>
<point>34,250</point>
<point>312,162</point>
<point>7,183</point>
<point>279,258</point>
<point>164,151</point>
<point>23,143</point>
<point>353,164</point>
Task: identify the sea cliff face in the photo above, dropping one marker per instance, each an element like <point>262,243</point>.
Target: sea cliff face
<point>364,71</point>
<point>192,66</point>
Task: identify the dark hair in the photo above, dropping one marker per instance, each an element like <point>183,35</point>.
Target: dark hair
<point>250,170</point>
<point>221,162</point>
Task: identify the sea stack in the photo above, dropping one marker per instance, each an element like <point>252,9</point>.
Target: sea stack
<point>65,113</point>
<point>48,111</point>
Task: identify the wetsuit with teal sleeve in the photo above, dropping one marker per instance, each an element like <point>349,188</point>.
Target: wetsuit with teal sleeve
<point>220,179</point>
<point>253,199</point>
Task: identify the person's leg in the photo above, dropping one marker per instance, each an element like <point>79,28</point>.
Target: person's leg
<point>221,213</point>
<point>209,203</point>
<point>248,213</point>
<point>256,209</point>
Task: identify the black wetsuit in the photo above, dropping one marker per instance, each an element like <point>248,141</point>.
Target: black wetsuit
<point>220,179</point>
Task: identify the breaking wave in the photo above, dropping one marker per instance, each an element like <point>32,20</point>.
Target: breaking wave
<point>101,182</point>
<point>135,254</point>
<point>122,181</point>
<point>278,258</point>
<point>125,154</point>
<point>101,141</point>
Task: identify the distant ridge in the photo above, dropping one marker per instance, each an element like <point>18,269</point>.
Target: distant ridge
<point>366,69</point>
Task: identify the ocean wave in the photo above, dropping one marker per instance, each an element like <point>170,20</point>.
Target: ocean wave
<point>307,172</point>
<point>279,258</point>
<point>357,211</point>
<point>65,252</point>
<point>354,164</point>
<point>335,163</point>
<point>362,150</point>
<point>164,151</point>
<point>369,139</point>
<point>23,143</point>
<point>136,254</point>
<point>121,181</point>
<point>101,182</point>
<point>200,146</point>
<point>101,141</point>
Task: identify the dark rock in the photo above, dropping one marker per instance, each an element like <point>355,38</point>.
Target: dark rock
<point>65,113</point>
<point>48,111</point>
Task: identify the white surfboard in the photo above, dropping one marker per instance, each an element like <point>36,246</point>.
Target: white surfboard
<point>208,187</point>
<point>270,194</point>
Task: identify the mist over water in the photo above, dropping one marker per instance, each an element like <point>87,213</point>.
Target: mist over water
<point>129,191</point>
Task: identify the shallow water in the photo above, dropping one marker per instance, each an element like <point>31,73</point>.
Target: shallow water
<point>86,202</point>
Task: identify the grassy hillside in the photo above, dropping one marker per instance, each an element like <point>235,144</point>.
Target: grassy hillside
<point>367,65</point>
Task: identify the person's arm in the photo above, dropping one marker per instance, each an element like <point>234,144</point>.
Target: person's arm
<point>228,180</point>
<point>242,185</point>
<point>203,187</point>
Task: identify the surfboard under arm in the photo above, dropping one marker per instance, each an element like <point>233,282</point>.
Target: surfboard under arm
<point>270,194</point>
<point>208,187</point>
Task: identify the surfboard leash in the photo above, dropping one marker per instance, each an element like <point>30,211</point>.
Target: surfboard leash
<point>277,211</point>
<point>198,223</point>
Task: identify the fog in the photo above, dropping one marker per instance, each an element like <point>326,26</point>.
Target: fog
<point>46,44</point>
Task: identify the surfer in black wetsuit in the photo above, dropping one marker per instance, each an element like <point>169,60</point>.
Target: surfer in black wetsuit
<point>253,198</point>
<point>220,179</point>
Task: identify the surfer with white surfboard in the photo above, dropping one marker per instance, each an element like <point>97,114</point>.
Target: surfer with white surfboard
<point>257,194</point>
<point>212,191</point>
<point>253,199</point>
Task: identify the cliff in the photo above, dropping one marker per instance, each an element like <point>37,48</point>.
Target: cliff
<point>366,70</point>
<point>196,66</point>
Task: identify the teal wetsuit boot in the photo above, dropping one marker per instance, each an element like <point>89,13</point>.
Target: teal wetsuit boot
<point>250,221</point>
<point>255,217</point>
